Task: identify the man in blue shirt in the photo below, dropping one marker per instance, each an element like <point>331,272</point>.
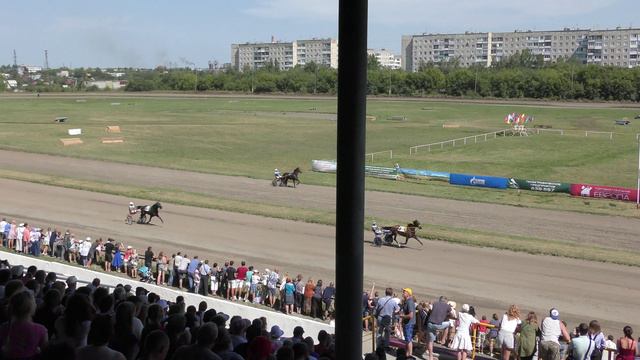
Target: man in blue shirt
<point>385,309</point>
<point>205,278</point>
<point>582,346</point>
<point>191,269</point>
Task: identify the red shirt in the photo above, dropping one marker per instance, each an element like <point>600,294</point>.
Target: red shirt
<point>481,327</point>
<point>241,274</point>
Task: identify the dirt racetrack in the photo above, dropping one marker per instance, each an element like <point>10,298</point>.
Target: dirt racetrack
<point>611,231</point>
<point>487,278</point>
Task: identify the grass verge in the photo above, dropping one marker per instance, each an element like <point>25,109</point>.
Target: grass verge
<point>466,237</point>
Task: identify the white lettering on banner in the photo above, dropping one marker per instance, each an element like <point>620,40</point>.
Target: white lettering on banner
<point>475,181</point>
<point>612,194</point>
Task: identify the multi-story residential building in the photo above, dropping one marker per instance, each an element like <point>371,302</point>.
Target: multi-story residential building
<point>617,47</point>
<point>285,54</point>
<point>386,58</point>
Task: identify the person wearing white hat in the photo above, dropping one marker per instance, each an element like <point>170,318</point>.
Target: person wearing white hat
<point>462,340</point>
<point>19,235</point>
<point>85,246</point>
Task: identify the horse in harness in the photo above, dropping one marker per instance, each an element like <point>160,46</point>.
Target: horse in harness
<point>151,211</point>
<point>292,176</point>
<point>389,234</point>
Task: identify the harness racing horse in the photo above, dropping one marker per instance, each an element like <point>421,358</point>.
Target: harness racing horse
<point>409,232</point>
<point>151,210</point>
<point>293,176</point>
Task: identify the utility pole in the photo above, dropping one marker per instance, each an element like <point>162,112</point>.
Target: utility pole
<point>46,60</point>
<point>15,59</point>
<point>252,74</point>
<point>475,83</point>
<point>195,88</point>
<point>315,82</point>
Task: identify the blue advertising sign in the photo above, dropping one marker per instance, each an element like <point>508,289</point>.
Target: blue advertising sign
<point>479,181</point>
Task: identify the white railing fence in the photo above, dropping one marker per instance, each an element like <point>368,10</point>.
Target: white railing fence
<point>538,131</point>
<point>378,153</point>
<point>460,141</point>
<point>586,133</point>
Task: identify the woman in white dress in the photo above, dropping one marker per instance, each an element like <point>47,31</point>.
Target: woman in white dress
<point>462,340</point>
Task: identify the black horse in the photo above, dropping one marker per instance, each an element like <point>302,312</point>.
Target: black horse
<point>293,176</point>
<point>151,210</point>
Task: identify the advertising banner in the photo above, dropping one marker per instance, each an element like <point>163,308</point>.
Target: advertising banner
<point>424,174</point>
<point>604,192</point>
<point>479,181</point>
<point>535,185</point>
<point>323,166</point>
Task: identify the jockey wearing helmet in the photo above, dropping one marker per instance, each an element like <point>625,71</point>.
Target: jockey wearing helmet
<point>132,208</point>
<point>276,173</point>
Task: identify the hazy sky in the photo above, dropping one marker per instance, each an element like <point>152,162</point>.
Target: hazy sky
<point>147,33</point>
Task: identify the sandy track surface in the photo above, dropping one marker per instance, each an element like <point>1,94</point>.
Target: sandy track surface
<point>618,232</point>
<point>486,278</point>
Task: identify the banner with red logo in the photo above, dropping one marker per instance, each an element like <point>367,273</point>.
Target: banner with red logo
<point>605,192</point>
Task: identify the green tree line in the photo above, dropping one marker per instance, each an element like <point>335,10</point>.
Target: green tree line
<point>510,79</point>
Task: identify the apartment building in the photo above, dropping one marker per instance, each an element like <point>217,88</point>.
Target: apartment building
<point>386,58</point>
<point>285,54</point>
<point>617,47</point>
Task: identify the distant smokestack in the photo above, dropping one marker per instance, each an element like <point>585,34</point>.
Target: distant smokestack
<point>273,39</point>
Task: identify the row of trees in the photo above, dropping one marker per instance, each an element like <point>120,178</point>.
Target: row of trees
<point>554,81</point>
<point>522,75</point>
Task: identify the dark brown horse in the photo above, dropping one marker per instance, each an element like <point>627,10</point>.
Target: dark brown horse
<point>151,211</point>
<point>293,176</point>
<point>409,232</point>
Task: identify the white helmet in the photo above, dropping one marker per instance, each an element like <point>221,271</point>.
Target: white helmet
<point>276,170</point>
<point>130,202</point>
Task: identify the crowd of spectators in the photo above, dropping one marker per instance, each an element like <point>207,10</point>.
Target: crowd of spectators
<point>425,323</point>
<point>245,283</point>
<point>42,317</point>
<point>508,336</point>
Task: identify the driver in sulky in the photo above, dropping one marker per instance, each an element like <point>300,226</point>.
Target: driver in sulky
<point>377,234</point>
<point>276,173</point>
<point>133,209</point>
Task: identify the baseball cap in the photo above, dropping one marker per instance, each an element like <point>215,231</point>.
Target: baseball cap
<point>88,238</point>
<point>409,291</point>
<point>554,313</point>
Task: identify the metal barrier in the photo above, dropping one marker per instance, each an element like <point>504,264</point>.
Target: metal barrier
<point>464,141</point>
<point>474,338</point>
